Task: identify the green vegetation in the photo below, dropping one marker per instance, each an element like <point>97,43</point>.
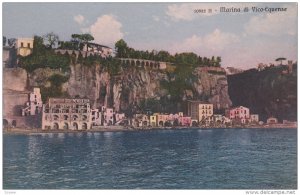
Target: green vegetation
<point>51,39</point>
<point>55,90</point>
<point>4,41</point>
<point>280,59</point>
<point>216,72</point>
<point>43,57</point>
<point>77,42</point>
<point>123,51</point>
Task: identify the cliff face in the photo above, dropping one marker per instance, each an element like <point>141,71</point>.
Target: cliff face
<point>126,91</point>
<point>272,92</point>
<point>212,87</point>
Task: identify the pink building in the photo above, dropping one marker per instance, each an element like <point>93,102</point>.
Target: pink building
<point>241,113</point>
<point>185,120</point>
<point>162,119</point>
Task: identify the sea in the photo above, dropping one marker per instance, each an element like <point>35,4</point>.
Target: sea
<point>152,159</point>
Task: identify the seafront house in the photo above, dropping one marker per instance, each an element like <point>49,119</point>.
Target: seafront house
<point>153,120</point>
<point>162,119</point>
<point>185,121</point>
<point>240,114</point>
<point>272,120</point>
<point>73,114</point>
<point>108,116</point>
<point>120,117</point>
<point>96,117</point>
<point>205,112</point>
<point>199,110</point>
<point>140,120</point>
<point>35,104</point>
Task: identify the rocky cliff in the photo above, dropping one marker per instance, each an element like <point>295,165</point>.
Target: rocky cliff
<point>135,89</point>
<point>271,92</point>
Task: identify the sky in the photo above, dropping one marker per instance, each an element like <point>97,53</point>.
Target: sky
<point>242,39</point>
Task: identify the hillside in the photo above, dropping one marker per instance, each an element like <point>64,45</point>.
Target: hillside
<point>270,92</point>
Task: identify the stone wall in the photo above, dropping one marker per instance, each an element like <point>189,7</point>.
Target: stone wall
<point>14,79</point>
<point>13,102</point>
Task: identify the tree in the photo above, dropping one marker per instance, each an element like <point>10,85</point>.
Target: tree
<point>38,45</point>
<point>121,48</point>
<point>51,39</point>
<point>213,61</point>
<point>219,61</point>
<point>280,59</point>
<point>11,42</point>
<point>86,38</point>
<point>76,40</point>
<point>4,41</point>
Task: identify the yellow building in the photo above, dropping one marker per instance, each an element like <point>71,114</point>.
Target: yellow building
<point>24,46</point>
<point>199,110</point>
<point>205,111</point>
<point>153,120</point>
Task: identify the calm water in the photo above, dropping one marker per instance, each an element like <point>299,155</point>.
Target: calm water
<point>161,159</point>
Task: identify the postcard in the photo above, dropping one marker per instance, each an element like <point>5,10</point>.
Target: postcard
<point>150,96</point>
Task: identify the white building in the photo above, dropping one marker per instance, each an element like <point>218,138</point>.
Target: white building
<point>108,116</point>
<point>72,114</point>
<point>96,117</point>
<point>101,50</point>
<point>35,104</point>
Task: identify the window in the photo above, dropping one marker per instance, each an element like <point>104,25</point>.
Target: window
<point>28,45</point>
<point>245,112</point>
<point>22,44</point>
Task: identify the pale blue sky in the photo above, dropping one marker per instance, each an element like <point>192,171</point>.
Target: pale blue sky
<point>241,39</point>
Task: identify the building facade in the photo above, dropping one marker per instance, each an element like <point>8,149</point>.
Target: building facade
<point>24,46</point>
<point>205,111</point>
<point>96,117</point>
<point>162,119</point>
<point>101,50</point>
<point>240,113</point>
<point>199,110</point>
<point>153,120</point>
<point>193,109</point>
<point>185,121</point>
<point>272,120</point>
<point>35,104</point>
<point>73,114</point>
<point>108,116</point>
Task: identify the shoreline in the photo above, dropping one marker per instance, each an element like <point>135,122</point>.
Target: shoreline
<point>22,131</point>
